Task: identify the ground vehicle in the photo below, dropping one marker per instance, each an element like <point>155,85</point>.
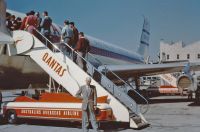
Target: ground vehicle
<point>53,106</point>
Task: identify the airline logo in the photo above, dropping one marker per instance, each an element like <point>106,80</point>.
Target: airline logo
<point>50,112</point>
<point>58,113</point>
<point>19,40</point>
<point>53,64</point>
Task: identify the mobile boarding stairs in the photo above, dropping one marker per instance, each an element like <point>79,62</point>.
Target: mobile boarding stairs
<point>65,72</point>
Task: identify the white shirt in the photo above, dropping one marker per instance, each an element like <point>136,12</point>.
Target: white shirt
<point>87,87</point>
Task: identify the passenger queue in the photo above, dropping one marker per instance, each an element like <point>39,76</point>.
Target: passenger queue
<point>69,33</point>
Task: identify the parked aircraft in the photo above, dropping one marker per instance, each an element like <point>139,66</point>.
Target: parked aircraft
<point>19,71</point>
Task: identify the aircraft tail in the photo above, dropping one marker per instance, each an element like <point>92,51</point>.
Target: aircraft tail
<point>5,37</point>
<point>143,48</point>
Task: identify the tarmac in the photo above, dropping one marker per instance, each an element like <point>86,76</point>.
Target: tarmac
<point>166,113</point>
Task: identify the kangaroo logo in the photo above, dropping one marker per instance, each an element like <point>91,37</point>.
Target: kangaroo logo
<point>18,40</point>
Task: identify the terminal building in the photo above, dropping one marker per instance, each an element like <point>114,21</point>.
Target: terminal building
<point>179,51</point>
<point>174,52</point>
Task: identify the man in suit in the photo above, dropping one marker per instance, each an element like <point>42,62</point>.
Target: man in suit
<point>46,25</point>
<point>88,95</point>
<point>46,29</point>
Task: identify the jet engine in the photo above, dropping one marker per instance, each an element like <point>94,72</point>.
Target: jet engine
<point>184,81</point>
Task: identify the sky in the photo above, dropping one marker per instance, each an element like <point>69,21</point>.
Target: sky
<point>120,21</point>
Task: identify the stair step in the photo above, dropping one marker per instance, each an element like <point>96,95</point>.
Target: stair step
<point>137,119</point>
<point>142,125</point>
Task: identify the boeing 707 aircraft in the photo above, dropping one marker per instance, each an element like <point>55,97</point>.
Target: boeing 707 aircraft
<point>19,71</point>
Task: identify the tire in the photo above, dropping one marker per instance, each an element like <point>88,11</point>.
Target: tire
<point>11,117</point>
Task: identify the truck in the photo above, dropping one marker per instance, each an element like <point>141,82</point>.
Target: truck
<point>53,106</point>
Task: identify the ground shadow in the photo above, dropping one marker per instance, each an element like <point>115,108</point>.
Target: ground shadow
<point>107,127</point>
<point>35,122</point>
<point>174,100</point>
<point>194,104</point>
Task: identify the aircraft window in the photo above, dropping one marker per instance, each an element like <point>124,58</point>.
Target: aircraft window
<point>188,56</point>
<point>168,57</point>
<point>149,78</point>
<point>177,56</point>
<point>198,56</point>
<point>154,78</point>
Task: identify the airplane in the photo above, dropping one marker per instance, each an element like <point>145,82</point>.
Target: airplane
<point>17,72</point>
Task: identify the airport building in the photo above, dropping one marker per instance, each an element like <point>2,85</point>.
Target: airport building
<point>179,51</point>
<point>175,52</point>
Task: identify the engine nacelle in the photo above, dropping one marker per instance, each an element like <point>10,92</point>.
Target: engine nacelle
<point>184,81</point>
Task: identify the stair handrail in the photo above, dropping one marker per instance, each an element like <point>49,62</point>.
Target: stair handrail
<point>72,50</point>
<point>95,58</point>
<point>147,102</point>
<point>108,70</point>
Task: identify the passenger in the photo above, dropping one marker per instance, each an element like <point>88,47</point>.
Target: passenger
<point>89,96</point>
<point>24,21</point>
<point>31,23</point>
<point>8,21</point>
<point>14,22</point>
<point>39,20</point>
<point>75,34</point>
<point>55,35</point>
<point>46,30</point>
<point>82,48</point>
<point>46,25</point>
<point>74,38</point>
<point>19,22</point>
<point>66,35</point>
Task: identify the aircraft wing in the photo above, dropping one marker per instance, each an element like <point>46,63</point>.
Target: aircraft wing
<point>137,70</point>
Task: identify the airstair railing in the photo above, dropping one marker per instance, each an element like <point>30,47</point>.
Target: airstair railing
<point>125,83</point>
<point>55,48</point>
<point>142,109</point>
